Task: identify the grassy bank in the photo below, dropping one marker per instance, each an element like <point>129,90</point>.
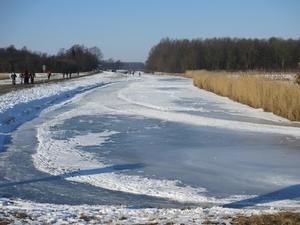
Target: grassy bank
<point>271,93</point>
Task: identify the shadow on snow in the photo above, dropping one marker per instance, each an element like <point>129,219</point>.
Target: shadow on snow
<point>78,173</point>
<point>288,193</point>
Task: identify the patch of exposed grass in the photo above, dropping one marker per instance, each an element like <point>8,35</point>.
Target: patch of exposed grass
<point>123,218</point>
<point>84,217</point>
<point>4,221</point>
<point>272,94</point>
<point>281,218</point>
<point>20,215</point>
<point>169,223</point>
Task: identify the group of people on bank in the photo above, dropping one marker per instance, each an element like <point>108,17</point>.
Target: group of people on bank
<point>66,73</point>
<point>26,77</point>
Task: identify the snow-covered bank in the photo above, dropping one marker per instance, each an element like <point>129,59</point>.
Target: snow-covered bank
<point>20,106</point>
<point>141,98</point>
<point>35,213</point>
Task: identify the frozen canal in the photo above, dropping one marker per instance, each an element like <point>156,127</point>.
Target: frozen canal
<point>153,140</point>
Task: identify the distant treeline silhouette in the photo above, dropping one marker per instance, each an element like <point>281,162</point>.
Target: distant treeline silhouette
<point>77,58</point>
<point>230,54</point>
<point>110,64</point>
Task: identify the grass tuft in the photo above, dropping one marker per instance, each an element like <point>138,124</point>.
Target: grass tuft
<point>20,215</point>
<point>4,221</point>
<point>84,217</point>
<point>123,218</point>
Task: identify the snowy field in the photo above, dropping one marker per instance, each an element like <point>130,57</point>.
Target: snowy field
<point>111,149</point>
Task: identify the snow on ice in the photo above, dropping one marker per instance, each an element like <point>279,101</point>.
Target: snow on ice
<point>148,96</point>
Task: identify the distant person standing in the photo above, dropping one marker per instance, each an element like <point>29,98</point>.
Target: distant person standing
<point>21,76</point>
<point>49,74</point>
<point>13,77</point>
<point>32,75</point>
<point>26,77</point>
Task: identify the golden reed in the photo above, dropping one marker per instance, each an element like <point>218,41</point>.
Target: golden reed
<point>279,96</point>
<point>4,76</point>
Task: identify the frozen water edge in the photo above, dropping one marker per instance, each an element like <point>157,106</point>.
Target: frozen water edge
<point>60,156</point>
<point>103,137</point>
<point>138,184</point>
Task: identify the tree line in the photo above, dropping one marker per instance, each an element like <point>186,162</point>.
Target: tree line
<point>110,64</point>
<point>230,54</point>
<point>77,58</point>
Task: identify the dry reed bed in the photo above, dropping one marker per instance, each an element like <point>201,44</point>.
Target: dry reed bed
<point>4,76</point>
<point>271,93</point>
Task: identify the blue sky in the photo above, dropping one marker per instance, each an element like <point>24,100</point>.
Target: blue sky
<point>127,29</point>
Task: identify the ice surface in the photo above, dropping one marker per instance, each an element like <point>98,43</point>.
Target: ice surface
<point>152,139</point>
